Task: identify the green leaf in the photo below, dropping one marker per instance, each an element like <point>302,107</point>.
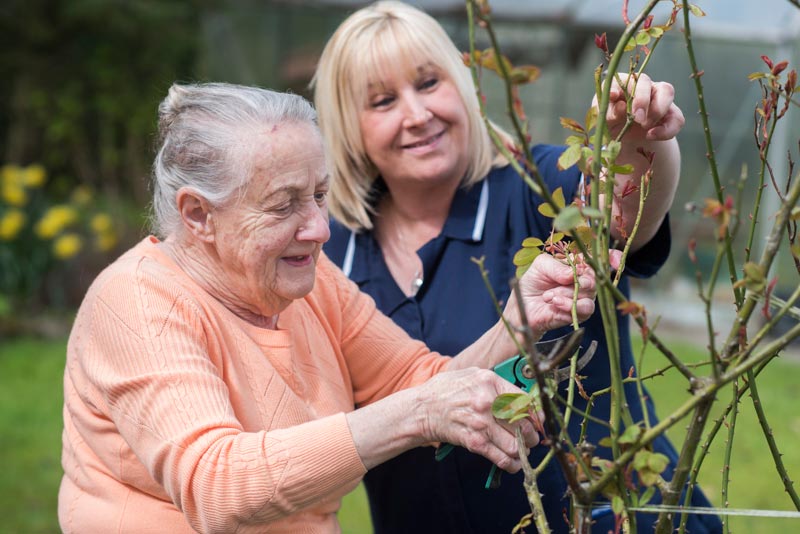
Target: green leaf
<point>558,199</point>
<point>795,213</point>
<point>532,242</point>
<point>621,169</point>
<point>648,478</point>
<point>696,11</point>
<point>647,495</point>
<point>754,277</point>
<point>569,157</point>
<point>525,256</point>
<point>613,149</point>
<point>617,504</point>
<point>657,462</point>
<point>631,435</point>
<point>568,219</point>
<point>605,442</point>
<point>574,140</point>
<point>508,405</point>
<point>642,38</point>
<point>591,118</point>
<point>655,32</point>
<point>591,213</point>
<point>756,76</point>
<point>584,233</point>
<point>521,270</point>
<point>640,459</point>
<point>630,45</point>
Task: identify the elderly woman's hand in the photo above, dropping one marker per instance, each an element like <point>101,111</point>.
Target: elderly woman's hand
<point>548,293</point>
<point>457,409</point>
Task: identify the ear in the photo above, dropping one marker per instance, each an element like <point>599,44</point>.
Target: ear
<point>196,214</point>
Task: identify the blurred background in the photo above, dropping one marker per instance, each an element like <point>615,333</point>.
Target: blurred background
<point>80,81</point>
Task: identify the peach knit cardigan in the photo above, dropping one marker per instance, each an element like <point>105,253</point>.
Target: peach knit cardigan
<point>180,417</point>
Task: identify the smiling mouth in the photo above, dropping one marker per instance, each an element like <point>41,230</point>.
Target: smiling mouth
<point>430,140</point>
<point>305,259</point>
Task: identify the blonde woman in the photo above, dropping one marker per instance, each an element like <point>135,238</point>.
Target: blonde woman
<point>417,191</point>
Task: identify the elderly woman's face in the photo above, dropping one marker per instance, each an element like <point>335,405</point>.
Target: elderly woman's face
<point>269,240</point>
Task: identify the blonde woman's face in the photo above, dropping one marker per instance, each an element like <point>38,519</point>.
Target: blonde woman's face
<point>416,130</point>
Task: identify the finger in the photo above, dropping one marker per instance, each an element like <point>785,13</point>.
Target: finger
<point>640,104</point>
<point>662,96</point>
<point>614,258</point>
<point>670,125</point>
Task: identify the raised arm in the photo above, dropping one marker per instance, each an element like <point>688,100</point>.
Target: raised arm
<point>657,120</point>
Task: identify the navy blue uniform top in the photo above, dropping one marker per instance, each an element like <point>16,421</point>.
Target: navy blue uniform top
<point>413,493</point>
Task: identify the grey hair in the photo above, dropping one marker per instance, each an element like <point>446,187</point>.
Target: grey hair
<point>205,139</point>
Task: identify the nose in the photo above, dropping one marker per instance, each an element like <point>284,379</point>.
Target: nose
<point>416,112</point>
<point>315,226</point>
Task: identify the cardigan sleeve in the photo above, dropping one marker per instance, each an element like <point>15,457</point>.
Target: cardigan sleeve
<point>144,358</point>
<point>381,357</point>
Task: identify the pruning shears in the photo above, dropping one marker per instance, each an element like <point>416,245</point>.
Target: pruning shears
<point>519,372</point>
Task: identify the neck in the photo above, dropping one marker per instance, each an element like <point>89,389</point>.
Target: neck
<point>200,262</point>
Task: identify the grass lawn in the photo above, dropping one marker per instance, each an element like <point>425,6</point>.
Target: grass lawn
<point>30,440</point>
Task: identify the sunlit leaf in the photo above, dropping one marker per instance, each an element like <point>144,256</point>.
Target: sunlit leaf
<point>532,242</point>
<point>657,462</point>
<point>756,76</point>
<point>647,477</point>
<point>655,32</point>
<point>571,124</point>
<point>526,255</point>
<point>642,38</point>
<point>696,11</point>
<point>569,157</point>
<point>575,140</point>
<point>508,405</point>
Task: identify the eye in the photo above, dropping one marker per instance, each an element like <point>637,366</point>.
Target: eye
<point>320,196</point>
<point>282,210</point>
<point>381,101</point>
<point>428,83</point>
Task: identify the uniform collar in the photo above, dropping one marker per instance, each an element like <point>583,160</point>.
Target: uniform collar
<point>468,213</point>
<point>465,222</point>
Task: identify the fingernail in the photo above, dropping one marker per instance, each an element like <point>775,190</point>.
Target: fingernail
<point>640,116</point>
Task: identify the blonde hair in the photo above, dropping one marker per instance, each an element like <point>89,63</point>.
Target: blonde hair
<point>382,36</point>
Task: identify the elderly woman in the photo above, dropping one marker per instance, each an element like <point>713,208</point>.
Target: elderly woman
<point>213,371</point>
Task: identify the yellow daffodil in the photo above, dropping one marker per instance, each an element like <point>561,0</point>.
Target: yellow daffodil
<point>105,241</point>
<point>10,174</point>
<point>54,220</point>
<point>13,193</point>
<point>34,176</point>
<point>81,195</point>
<point>67,245</point>
<point>101,223</point>
<point>11,223</point>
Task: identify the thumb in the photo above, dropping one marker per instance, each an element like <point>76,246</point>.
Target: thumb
<point>614,258</point>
